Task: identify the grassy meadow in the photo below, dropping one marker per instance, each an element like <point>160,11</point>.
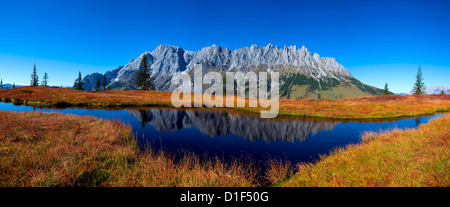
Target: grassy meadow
<point>52,149</point>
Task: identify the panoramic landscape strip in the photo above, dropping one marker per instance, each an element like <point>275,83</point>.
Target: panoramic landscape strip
<point>375,107</point>
<point>258,101</point>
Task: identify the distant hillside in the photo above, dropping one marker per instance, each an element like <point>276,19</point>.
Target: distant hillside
<point>402,94</point>
<point>8,85</point>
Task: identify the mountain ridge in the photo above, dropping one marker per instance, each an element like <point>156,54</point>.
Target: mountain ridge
<point>166,61</point>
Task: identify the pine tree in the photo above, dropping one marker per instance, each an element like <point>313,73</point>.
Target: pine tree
<point>386,90</point>
<point>104,83</point>
<point>419,86</point>
<point>1,84</point>
<point>97,84</point>
<point>45,80</point>
<point>14,85</point>
<point>442,92</point>
<point>143,79</point>
<point>34,77</point>
<point>78,85</point>
<point>80,82</point>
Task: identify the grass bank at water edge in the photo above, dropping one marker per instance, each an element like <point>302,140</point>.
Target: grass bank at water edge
<point>52,149</point>
<point>374,107</point>
<point>413,157</point>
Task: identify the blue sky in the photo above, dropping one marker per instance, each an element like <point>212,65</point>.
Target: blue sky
<point>377,41</point>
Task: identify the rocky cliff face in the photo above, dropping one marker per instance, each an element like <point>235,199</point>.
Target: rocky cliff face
<point>167,61</point>
<point>214,123</point>
<point>90,81</point>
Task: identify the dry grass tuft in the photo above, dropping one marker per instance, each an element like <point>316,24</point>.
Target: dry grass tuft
<point>278,171</point>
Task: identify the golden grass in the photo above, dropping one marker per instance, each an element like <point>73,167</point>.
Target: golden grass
<point>52,149</point>
<point>415,157</point>
<point>375,107</point>
<point>54,96</point>
<point>278,171</point>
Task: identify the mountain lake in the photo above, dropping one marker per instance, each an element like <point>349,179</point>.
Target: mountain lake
<point>211,133</point>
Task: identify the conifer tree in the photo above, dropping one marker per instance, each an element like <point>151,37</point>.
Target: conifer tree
<point>45,80</point>
<point>419,85</point>
<point>104,83</point>
<point>1,84</point>
<point>386,90</point>
<point>97,84</point>
<point>14,85</point>
<point>34,77</point>
<point>143,79</point>
<point>80,82</point>
<point>78,85</point>
<point>442,92</point>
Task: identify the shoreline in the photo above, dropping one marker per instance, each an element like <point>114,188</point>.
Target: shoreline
<point>351,109</point>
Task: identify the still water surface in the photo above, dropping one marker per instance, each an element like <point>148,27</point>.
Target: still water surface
<point>227,135</point>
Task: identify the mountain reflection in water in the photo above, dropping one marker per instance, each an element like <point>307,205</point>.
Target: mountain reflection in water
<point>214,123</point>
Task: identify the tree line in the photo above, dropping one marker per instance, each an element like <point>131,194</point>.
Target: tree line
<point>99,85</point>
<point>143,79</point>
<point>35,78</point>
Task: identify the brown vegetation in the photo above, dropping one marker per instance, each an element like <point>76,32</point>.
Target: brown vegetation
<point>52,149</point>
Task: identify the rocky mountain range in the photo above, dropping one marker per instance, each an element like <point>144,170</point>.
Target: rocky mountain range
<point>302,74</point>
